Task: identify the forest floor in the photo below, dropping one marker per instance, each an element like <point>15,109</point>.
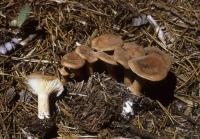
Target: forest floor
<point>93,108</point>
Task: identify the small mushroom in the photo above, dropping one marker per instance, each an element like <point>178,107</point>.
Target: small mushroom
<point>122,55</point>
<point>74,63</point>
<point>89,55</point>
<point>149,67</point>
<point>110,63</point>
<point>106,42</point>
<point>133,49</point>
<point>43,86</point>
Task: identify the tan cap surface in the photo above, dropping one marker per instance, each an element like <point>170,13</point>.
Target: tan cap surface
<point>106,58</point>
<point>122,57</point>
<point>126,52</point>
<point>106,42</point>
<point>133,49</point>
<point>86,53</point>
<point>72,60</point>
<point>165,57</point>
<point>149,67</point>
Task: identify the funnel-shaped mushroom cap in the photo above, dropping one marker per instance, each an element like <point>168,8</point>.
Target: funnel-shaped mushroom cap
<point>43,86</point>
<point>106,42</point>
<point>86,53</point>
<point>149,67</point>
<point>106,58</point>
<point>39,84</point>
<point>72,60</point>
<point>133,49</point>
<point>122,57</point>
<point>165,57</point>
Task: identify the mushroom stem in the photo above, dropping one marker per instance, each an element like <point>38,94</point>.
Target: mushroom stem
<point>43,106</point>
<point>90,69</point>
<point>135,88</point>
<point>128,79</point>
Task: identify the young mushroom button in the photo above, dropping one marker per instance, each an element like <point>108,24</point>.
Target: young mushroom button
<point>43,86</point>
<point>149,67</point>
<point>106,42</point>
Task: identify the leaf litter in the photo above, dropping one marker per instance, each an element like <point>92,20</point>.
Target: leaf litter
<point>97,112</point>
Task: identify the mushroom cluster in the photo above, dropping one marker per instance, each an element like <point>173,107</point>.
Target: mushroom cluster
<point>139,64</point>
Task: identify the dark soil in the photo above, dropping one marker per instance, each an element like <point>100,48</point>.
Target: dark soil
<point>93,108</point>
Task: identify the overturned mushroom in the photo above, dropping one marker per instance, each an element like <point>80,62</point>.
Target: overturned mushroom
<point>89,55</point>
<point>106,42</point>
<point>43,86</point>
<point>149,67</point>
<point>74,63</point>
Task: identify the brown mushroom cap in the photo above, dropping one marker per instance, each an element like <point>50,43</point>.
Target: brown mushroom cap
<point>106,42</point>
<point>72,60</point>
<point>86,53</point>
<point>165,57</point>
<point>106,58</point>
<point>133,49</point>
<point>128,51</point>
<point>122,57</point>
<point>149,67</point>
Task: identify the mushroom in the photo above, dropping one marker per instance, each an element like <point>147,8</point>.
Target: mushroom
<point>63,72</point>
<point>110,63</point>
<point>74,63</point>
<point>165,57</point>
<point>43,86</point>
<point>87,54</point>
<point>106,58</point>
<point>133,49</point>
<point>106,42</point>
<point>149,67</point>
<point>122,55</point>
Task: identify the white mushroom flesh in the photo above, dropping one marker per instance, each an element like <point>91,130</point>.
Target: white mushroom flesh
<point>43,88</point>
